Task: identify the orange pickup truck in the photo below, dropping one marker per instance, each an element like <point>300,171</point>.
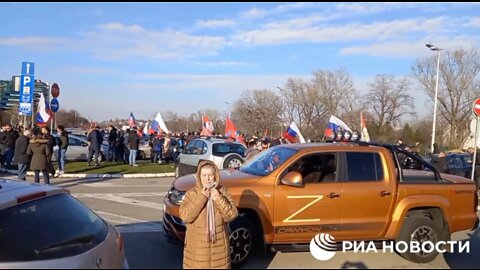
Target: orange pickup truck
<point>352,191</point>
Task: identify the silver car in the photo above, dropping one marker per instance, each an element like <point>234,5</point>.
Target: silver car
<point>78,148</point>
<point>42,226</point>
<point>223,153</point>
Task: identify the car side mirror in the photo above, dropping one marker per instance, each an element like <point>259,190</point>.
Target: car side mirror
<point>293,179</point>
<point>84,144</point>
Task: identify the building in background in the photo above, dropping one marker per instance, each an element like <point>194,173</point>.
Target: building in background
<point>10,93</point>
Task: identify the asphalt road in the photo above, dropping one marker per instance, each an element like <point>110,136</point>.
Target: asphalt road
<point>135,206</point>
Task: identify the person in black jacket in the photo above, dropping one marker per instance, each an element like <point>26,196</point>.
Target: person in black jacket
<point>7,139</point>
<point>21,157</point>
<point>62,148</point>
<point>95,140</point>
<point>133,142</point>
<point>112,141</point>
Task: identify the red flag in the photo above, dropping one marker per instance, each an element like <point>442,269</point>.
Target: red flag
<point>207,127</point>
<point>230,129</point>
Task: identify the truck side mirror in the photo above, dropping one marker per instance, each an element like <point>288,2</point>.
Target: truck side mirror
<point>293,179</point>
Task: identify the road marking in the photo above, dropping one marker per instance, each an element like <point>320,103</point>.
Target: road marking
<point>132,194</point>
<point>101,184</point>
<point>120,199</point>
<point>130,225</point>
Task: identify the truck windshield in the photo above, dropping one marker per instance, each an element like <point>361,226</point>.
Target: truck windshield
<point>267,161</point>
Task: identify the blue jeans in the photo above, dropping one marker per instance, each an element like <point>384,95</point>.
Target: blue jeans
<point>61,159</point>
<point>133,157</point>
<point>112,151</point>
<point>22,171</point>
<point>9,153</point>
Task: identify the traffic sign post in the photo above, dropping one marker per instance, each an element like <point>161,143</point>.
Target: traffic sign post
<point>54,106</point>
<point>27,87</point>
<point>476,111</point>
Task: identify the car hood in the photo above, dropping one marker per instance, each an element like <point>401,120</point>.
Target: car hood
<point>228,178</point>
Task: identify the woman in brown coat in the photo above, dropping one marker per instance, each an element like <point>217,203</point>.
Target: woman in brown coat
<point>39,162</point>
<point>206,210</point>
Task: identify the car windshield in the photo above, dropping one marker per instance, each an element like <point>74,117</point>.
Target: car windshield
<point>267,161</point>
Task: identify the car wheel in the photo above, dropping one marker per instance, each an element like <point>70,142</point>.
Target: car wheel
<point>232,162</point>
<point>241,240</point>
<point>419,228</point>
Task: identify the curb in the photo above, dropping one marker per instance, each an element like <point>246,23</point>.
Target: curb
<point>96,175</point>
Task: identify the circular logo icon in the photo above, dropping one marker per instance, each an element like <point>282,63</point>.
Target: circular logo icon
<point>323,247</point>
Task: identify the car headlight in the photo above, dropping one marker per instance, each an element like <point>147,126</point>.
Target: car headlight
<point>175,196</point>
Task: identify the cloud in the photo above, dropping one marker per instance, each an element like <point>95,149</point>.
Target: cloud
<point>411,49</point>
<point>37,43</point>
<point>475,22</point>
<point>219,64</point>
<point>214,23</point>
<point>229,82</point>
<point>117,41</point>
<point>256,13</point>
<point>289,33</point>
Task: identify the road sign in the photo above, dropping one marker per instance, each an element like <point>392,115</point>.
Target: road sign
<point>55,90</point>
<point>27,86</point>
<point>54,105</point>
<point>476,107</point>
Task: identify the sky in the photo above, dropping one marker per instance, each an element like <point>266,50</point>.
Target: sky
<point>111,59</point>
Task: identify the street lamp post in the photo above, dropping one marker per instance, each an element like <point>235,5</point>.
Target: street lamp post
<point>228,103</point>
<point>435,49</point>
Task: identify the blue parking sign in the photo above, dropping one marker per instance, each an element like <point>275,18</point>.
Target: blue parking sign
<point>27,86</point>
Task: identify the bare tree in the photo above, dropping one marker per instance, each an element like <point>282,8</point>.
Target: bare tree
<point>70,118</point>
<point>258,110</point>
<point>387,101</point>
<point>310,104</point>
<point>458,87</point>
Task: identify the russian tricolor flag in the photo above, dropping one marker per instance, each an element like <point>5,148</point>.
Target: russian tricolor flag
<point>131,120</point>
<point>293,134</point>
<point>44,113</point>
<point>335,124</point>
<point>158,125</point>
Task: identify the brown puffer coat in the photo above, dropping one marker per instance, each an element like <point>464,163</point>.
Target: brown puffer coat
<point>198,251</point>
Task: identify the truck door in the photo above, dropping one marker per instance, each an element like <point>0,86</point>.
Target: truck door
<point>368,195</point>
<point>302,212</point>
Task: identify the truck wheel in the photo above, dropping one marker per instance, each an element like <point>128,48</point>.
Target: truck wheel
<point>420,229</point>
<point>241,240</point>
<point>232,162</point>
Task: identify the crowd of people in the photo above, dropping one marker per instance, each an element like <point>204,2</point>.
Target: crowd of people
<point>32,150</point>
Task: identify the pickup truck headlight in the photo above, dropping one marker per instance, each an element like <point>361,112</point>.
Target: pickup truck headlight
<point>175,196</point>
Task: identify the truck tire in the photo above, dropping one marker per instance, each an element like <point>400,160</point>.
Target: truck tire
<point>241,240</point>
<point>419,228</point>
<point>233,161</point>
